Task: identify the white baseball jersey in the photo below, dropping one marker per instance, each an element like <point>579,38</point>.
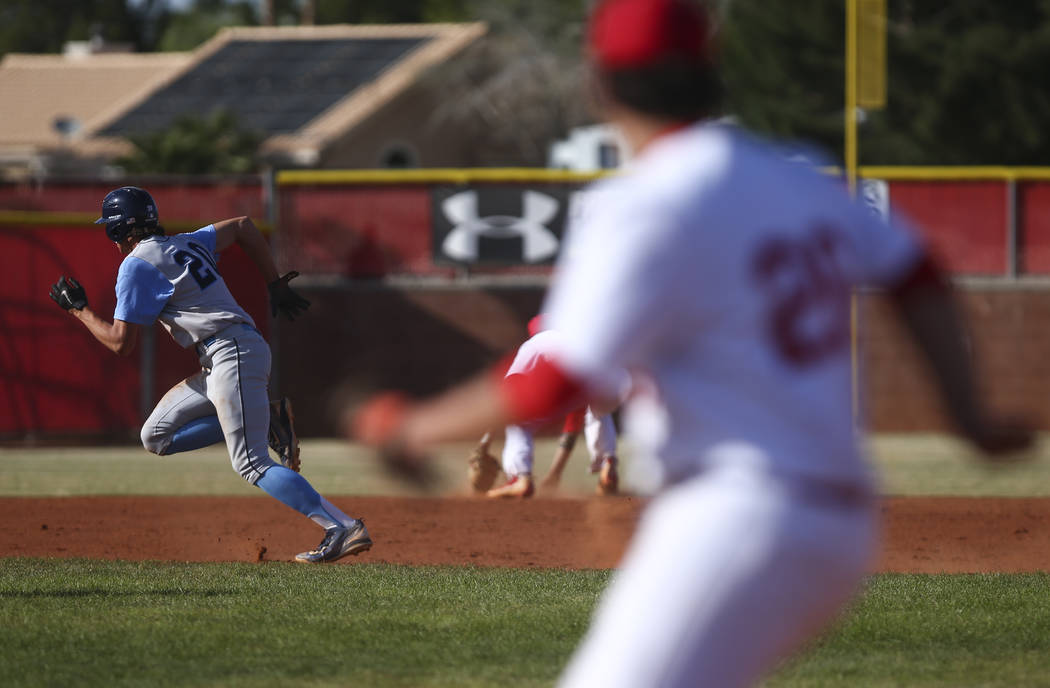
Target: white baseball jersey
<point>721,273</point>
<point>174,279</point>
<point>542,345</point>
<point>518,445</point>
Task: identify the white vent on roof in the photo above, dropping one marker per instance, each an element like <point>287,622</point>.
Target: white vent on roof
<point>77,50</point>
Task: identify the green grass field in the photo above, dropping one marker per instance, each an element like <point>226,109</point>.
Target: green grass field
<point>69,622</point>
<point>94,623</point>
<point>87,623</point>
<point>907,465</point>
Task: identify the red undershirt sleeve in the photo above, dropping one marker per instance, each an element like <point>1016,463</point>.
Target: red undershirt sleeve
<point>540,393</point>
<point>574,421</point>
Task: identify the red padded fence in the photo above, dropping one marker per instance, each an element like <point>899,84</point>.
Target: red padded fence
<point>55,379</point>
<point>367,231</point>
<point>1033,205</point>
<point>359,231</point>
<point>964,222</point>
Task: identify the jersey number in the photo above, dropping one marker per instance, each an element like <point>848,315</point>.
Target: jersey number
<point>201,266</point>
<point>808,315</point>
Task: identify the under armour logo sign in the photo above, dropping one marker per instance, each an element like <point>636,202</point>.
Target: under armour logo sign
<point>538,241</point>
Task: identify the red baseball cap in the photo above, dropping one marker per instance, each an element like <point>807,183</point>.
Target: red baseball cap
<point>536,325</point>
<point>640,33</point>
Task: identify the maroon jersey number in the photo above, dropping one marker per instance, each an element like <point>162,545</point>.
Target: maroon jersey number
<point>808,314</point>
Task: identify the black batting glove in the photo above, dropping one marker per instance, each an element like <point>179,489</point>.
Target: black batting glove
<point>284,300</point>
<point>68,294</point>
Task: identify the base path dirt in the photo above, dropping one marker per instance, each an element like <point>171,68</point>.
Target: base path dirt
<point>920,535</point>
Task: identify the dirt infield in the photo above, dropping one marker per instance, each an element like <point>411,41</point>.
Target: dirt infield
<point>921,535</point>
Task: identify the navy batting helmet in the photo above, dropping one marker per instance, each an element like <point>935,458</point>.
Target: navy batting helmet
<point>125,209</point>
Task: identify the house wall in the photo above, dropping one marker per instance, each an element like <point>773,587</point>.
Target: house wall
<point>411,118</point>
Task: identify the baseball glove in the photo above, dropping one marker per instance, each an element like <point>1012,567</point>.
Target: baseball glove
<point>285,301</point>
<point>68,294</point>
<point>482,470</point>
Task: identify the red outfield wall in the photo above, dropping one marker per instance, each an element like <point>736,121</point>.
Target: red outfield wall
<point>357,231</point>
<point>55,379</point>
<point>1033,208</point>
<point>964,222</point>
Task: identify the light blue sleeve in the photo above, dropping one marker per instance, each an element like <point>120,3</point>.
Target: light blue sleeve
<point>205,236</point>
<point>142,291</point>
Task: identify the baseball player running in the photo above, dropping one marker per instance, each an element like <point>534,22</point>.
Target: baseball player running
<point>720,274</point>
<point>175,279</point>
<point>519,446</point>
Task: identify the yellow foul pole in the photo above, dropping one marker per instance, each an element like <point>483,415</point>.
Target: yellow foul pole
<point>851,94</point>
<point>851,177</point>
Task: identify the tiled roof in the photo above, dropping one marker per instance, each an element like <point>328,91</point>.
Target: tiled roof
<point>305,86</point>
<point>273,86</point>
<point>37,89</point>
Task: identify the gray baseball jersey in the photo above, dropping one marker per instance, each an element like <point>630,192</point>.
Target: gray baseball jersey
<point>174,279</point>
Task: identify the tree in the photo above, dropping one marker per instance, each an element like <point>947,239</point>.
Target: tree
<point>967,85</point>
<point>967,82</point>
<point>214,144</point>
<point>188,29</point>
<point>782,63</point>
<point>520,89</point>
<point>390,11</point>
<point>44,26</point>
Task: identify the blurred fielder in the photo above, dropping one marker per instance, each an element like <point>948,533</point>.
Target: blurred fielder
<point>174,279</point>
<point>519,446</point>
<point>720,274</point>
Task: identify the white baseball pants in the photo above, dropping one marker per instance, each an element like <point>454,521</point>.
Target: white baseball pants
<point>600,435</point>
<point>519,447</point>
<point>518,450</point>
<point>728,573</point>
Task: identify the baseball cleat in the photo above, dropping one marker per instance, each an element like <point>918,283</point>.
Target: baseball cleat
<point>518,486</point>
<point>609,478</point>
<point>283,439</point>
<point>338,542</point>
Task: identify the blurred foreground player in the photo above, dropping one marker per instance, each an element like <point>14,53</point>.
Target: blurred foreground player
<point>175,279</point>
<point>720,274</point>
<point>519,446</point>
